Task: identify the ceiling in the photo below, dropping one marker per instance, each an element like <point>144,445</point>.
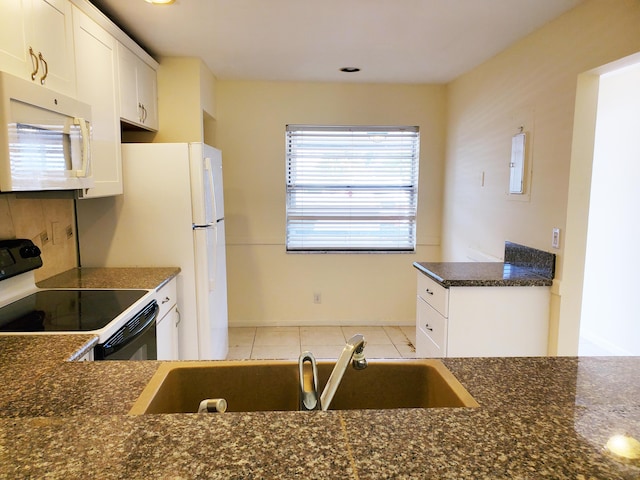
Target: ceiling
<point>391,41</point>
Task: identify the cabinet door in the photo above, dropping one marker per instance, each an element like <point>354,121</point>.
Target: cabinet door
<point>138,90</point>
<point>127,84</point>
<point>167,335</point>
<point>97,85</point>
<point>148,95</point>
<point>14,51</point>
<point>50,35</point>
<point>163,338</point>
<point>45,27</point>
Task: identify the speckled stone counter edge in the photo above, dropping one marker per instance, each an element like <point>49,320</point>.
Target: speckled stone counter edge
<point>550,416</point>
<point>119,277</point>
<point>523,267</point>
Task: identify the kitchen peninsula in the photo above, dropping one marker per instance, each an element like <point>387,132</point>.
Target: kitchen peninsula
<point>485,309</point>
<point>538,418</point>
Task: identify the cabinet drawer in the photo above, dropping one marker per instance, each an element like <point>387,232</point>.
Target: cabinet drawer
<point>166,297</point>
<point>434,294</point>
<point>432,326</point>
<point>425,346</point>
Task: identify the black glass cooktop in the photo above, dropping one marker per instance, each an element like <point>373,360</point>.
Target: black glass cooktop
<point>66,310</point>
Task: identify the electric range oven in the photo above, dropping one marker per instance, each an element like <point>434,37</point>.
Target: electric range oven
<point>123,319</point>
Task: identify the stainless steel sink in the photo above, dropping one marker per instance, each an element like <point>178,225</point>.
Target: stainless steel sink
<point>267,385</point>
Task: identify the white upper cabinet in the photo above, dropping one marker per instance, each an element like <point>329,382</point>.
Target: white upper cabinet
<point>36,42</point>
<point>97,85</point>
<point>138,90</point>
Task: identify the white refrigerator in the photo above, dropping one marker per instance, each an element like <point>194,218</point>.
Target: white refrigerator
<point>171,214</point>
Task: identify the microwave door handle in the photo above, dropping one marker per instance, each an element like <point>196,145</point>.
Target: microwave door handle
<point>84,134</point>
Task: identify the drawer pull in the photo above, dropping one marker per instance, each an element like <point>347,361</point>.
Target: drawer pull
<point>427,327</point>
<point>165,300</point>
<point>429,291</point>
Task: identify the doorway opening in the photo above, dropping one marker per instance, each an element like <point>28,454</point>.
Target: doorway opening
<point>599,309</point>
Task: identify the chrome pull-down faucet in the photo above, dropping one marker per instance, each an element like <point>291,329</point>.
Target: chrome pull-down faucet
<point>353,353</point>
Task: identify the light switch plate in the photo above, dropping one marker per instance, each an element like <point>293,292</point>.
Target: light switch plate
<point>555,238</point>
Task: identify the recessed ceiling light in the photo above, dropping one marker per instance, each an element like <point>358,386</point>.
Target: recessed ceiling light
<point>349,69</point>
<point>160,2</point>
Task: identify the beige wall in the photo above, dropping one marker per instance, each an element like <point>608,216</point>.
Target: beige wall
<point>48,222</point>
<point>270,287</point>
<point>533,84</point>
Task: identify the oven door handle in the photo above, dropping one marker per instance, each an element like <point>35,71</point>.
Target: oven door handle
<point>119,340</point>
<point>151,318</point>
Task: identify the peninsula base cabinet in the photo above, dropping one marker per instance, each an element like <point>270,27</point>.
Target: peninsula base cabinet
<point>470,321</point>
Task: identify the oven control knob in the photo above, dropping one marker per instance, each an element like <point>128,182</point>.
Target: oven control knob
<point>30,251</point>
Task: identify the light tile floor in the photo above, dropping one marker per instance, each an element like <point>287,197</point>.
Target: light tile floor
<point>324,342</point>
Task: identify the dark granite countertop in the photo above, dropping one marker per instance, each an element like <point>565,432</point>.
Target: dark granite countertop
<point>482,274</point>
<point>523,267</point>
<point>538,418</point>
<point>124,277</point>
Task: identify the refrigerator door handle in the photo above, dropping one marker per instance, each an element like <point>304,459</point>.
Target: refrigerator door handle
<point>209,185</point>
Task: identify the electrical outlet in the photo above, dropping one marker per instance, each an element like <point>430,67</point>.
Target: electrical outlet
<point>317,298</point>
<point>555,238</point>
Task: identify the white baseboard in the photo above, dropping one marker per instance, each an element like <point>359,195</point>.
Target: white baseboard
<point>606,347</point>
<point>317,323</point>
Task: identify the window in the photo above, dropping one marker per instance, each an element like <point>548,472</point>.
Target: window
<point>352,188</point>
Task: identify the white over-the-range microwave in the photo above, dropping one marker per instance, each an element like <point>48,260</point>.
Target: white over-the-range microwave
<point>45,139</point>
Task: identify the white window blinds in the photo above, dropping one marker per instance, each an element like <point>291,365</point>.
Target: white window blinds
<point>352,188</point>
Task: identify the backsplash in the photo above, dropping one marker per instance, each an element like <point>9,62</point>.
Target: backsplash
<point>49,223</point>
<point>543,263</point>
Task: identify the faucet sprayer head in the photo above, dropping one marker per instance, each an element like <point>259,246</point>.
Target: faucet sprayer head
<point>358,361</point>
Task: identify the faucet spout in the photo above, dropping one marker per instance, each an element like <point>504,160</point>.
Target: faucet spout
<point>308,397</point>
<point>353,352</point>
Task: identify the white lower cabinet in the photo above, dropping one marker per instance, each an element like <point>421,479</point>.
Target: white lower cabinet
<point>167,323</point>
<point>481,321</point>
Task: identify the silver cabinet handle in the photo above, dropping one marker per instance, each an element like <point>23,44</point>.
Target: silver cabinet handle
<point>142,112</point>
<point>34,63</point>
<point>179,317</point>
